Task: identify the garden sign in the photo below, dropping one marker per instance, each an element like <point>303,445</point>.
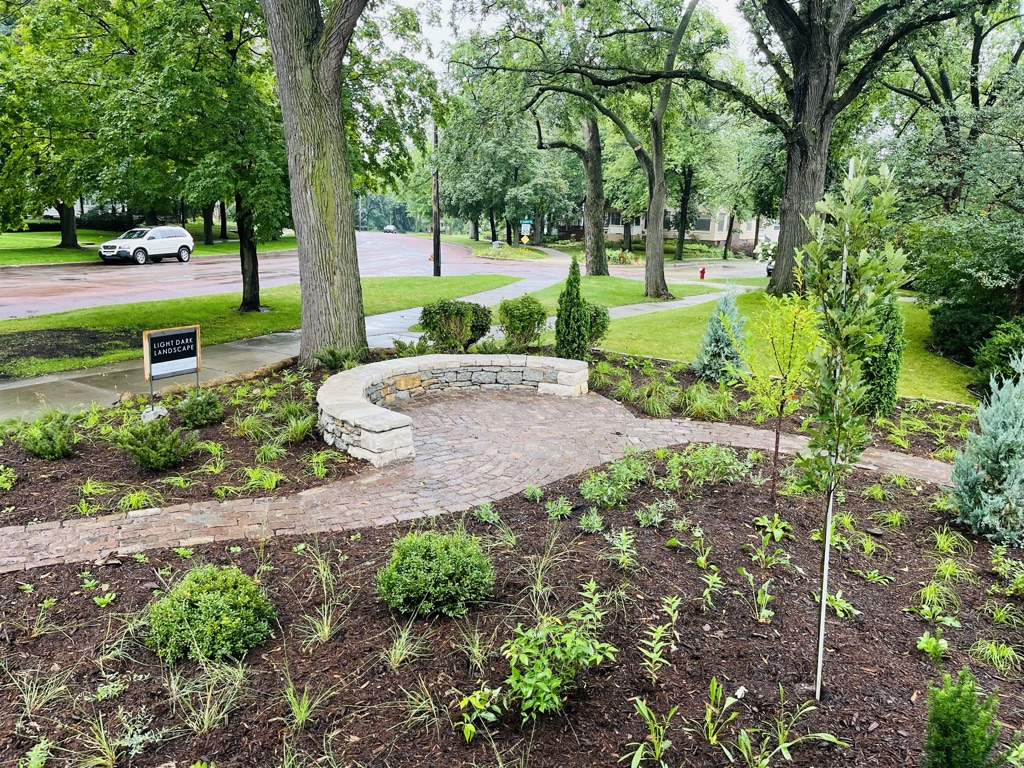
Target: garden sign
<point>171,352</point>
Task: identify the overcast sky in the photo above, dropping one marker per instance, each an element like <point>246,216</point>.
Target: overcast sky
<point>726,10</point>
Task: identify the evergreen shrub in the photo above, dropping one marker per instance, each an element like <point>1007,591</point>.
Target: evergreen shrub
<point>988,474</point>
<point>718,354</point>
<point>451,326</point>
<point>521,321</point>
<point>572,325</point>
<point>213,614</point>
<point>994,355</point>
<point>50,437</point>
<point>154,445</point>
<point>959,330</point>
<point>599,321</point>
<point>961,732</point>
<point>881,372</point>
<point>435,573</point>
<point>201,409</point>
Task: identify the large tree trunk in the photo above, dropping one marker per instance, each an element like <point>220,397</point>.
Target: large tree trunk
<point>685,189</point>
<point>537,230</point>
<point>68,225</point>
<point>627,234</point>
<point>804,186</point>
<point>208,224</point>
<point>757,230</point>
<point>655,286</point>
<point>728,235</point>
<point>223,220</point>
<point>307,58</point>
<point>508,231</point>
<point>593,204</point>
<point>806,156</point>
<point>247,255</point>
<point>494,229</point>
<point>474,229</point>
<point>150,218</point>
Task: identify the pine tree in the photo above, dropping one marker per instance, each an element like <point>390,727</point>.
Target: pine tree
<point>988,474</point>
<point>572,325</point>
<point>881,371</point>
<point>718,354</point>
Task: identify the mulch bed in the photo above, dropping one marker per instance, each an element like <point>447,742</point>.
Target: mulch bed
<point>875,681</point>
<point>922,428</point>
<point>52,490</point>
<point>49,343</point>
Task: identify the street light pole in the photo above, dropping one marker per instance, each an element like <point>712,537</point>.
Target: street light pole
<point>436,218</point>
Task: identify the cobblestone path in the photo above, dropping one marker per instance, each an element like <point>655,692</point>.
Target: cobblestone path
<point>470,448</point>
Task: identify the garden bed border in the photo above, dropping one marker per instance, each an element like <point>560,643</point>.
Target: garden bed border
<point>351,416</point>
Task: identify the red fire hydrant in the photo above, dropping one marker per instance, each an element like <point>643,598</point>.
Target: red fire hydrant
<point>702,271</point>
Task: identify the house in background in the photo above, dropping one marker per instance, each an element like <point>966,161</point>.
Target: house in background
<point>709,228</point>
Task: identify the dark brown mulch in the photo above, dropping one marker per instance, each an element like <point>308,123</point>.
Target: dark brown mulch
<point>50,490</point>
<point>50,343</point>
<point>931,429</point>
<point>875,681</point>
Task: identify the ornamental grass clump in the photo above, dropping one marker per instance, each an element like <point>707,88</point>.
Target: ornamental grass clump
<point>212,614</point>
<point>988,474</point>
<point>435,573</point>
<point>154,445</point>
<point>572,325</point>
<point>720,354</point>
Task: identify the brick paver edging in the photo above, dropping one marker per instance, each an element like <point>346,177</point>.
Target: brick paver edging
<point>351,417</point>
<point>470,448</point>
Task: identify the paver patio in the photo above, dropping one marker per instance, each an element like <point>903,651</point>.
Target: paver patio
<point>470,448</point>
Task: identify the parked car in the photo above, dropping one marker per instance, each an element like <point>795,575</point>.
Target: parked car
<point>391,229</point>
<point>152,243</point>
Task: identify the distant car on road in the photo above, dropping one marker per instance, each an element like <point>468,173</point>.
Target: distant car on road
<point>149,243</point>
<point>391,229</point>
<point>769,267</point>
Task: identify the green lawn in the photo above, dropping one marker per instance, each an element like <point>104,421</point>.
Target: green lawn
<point>483,248</point>
<point>675,334</point>
<point>37,247</point>
<point>758,281</point>
<point>221,323</point>
<point>614,292</point>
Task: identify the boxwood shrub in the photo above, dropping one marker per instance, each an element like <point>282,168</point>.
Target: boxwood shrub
<point>435,573</point>
<point>213,613</point>
<point>452,326</point>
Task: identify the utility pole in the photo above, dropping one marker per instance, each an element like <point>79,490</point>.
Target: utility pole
<point>436,218</point>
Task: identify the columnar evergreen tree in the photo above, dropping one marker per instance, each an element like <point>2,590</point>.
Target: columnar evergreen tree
<point>988,474</point>
<point>881,371</point>
<point>572,325</point>
<point>719,354</point>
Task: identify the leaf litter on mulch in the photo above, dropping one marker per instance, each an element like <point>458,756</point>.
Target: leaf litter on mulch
<point>875,680</point>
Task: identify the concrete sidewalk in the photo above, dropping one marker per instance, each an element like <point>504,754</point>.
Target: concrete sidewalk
<point>25,398</point>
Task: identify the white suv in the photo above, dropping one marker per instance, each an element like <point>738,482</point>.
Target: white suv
<point>154,244</point>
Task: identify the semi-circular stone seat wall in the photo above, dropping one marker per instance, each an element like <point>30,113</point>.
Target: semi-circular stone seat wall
<point>350,403</point>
